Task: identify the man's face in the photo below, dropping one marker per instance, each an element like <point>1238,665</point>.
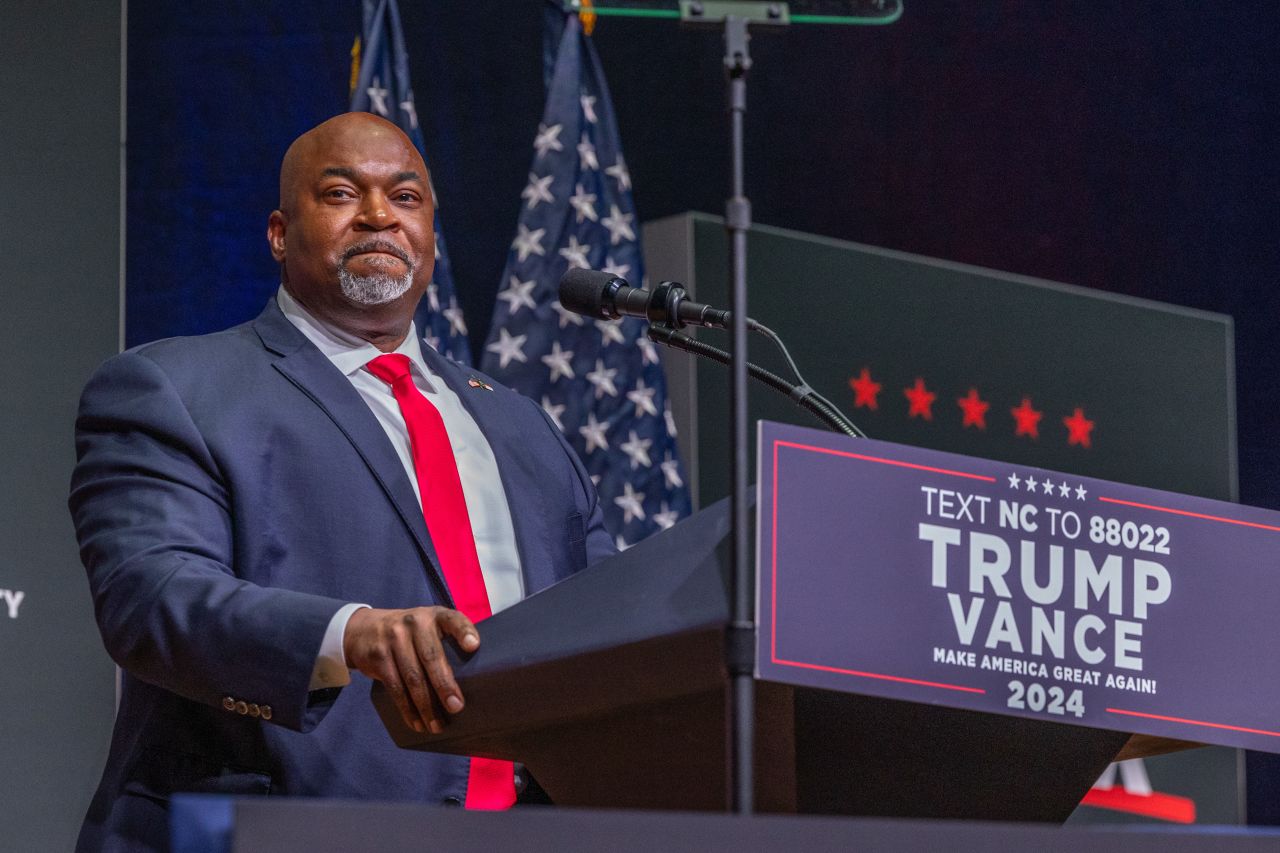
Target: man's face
<point>355,233</point>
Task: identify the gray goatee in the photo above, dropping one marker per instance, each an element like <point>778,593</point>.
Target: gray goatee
<point>378,288</point>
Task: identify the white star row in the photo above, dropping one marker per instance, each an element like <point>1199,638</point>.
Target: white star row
<point>587,161</point>
<point>602,379</point>
<point>538,190</point>
<point>610,332</point>
<point>612,267</point>
<point>508,347</point>
<point>454,315</point>
<point>554,411</point>
<point>631,502</point>
<point>641,396</point>
<point>664,519</point>
<point>457,326</point>
<point>583,204</point>
<point>1046,486</point>
<point>378,95</point>
<point>593,432</point>
<point>636,448</point>
<point>648,352</point>
<point>576,254</point>
<point>518,294</point>
<point>528,242</point>
<point>619,225</point>
<point>548,139</point>
<point>619,172</point>
<point>558,361</point>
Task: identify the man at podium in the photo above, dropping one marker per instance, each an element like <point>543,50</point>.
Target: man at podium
<point>305,502</point>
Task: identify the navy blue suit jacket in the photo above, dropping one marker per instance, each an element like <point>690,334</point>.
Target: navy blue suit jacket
<point>232,492</point>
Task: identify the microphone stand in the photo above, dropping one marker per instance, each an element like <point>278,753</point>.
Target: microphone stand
<point>802,395</point>
<point>740,640</point>
<point>740,643</point>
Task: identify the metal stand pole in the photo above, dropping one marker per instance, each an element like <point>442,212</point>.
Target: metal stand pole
<point>741,638</point>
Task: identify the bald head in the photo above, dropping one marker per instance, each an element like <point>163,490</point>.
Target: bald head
<point>362,130</point>
<point>354,233</point>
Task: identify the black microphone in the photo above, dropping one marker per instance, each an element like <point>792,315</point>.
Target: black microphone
<point>606,296</point>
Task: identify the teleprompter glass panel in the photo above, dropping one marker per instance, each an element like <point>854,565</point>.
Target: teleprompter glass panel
<point>845,12</point>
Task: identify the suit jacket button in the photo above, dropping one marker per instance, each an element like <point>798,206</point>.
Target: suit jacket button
<point>254,710</point>
<point>265,710</point>
<point>242,707</point>
<point>228,703</point>
<point>452,801</point>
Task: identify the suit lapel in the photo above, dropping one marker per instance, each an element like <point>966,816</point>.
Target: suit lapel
<point>306,367</point>
<point>492,412</point>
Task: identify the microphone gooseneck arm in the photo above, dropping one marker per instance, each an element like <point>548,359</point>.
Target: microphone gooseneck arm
<point>802,395</point>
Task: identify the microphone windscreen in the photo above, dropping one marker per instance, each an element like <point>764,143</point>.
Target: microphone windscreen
<point>584,291</point>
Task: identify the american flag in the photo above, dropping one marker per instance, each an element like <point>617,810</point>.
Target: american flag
<point>380,85</point>
<point>600,381</point>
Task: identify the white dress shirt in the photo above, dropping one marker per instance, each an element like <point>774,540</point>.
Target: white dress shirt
<point>481,483</point>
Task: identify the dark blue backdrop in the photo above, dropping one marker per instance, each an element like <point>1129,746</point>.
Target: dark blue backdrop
<point>1128,147</point>
<point>1125,149</point>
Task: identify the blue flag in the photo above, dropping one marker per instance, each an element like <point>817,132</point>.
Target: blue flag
<point>600,381</point>
<point>380,85</point>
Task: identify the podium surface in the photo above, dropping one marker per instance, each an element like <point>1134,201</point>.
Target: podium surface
<point>914,656</point>
<point>611,688</point>
<point>204,824</point>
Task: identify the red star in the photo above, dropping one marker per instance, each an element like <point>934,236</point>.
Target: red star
<point>920,400</point>
<point>975,409</point>
<point>1028,419</point>
<point>1078,429</point>
<point>864,390</point>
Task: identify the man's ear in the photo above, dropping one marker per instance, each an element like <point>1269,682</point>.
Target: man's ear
<point>276,225</point>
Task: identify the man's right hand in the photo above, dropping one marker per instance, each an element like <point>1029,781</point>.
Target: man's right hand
<point>404,650</point>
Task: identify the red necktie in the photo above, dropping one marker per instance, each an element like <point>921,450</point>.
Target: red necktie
<point>491,784</point>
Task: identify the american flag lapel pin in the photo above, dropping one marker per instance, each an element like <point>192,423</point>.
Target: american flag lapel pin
<point>476,382</point>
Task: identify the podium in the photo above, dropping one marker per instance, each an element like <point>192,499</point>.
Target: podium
<point>611,688</point>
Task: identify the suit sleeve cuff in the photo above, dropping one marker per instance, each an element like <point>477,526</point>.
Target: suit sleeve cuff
<point>331,664</point>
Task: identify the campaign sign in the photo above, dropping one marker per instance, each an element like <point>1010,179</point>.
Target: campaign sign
<point>931,577</point>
